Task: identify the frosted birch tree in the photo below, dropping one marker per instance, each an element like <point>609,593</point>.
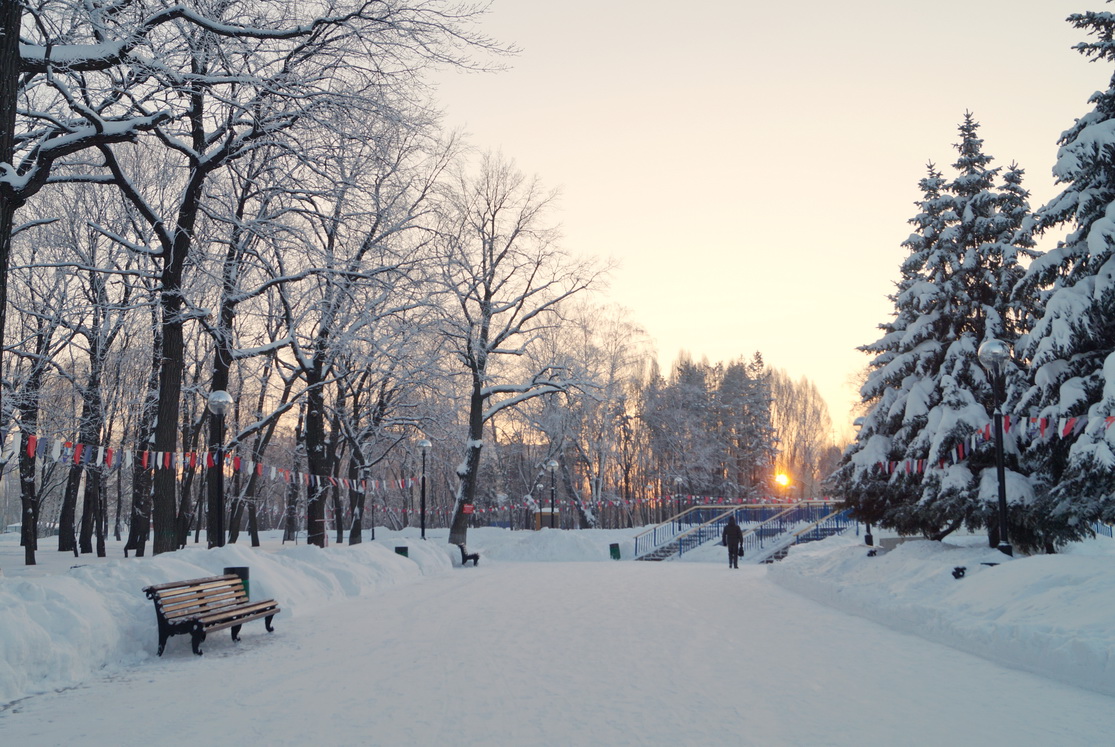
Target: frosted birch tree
<point>503,281</point>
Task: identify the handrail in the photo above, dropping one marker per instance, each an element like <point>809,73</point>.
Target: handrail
<point>714,528</point>
<point>670,532</point>
<point>657,536</point>
<point>839,518</point>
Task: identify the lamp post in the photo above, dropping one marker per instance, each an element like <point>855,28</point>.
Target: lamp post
<point>552,467</point>
<point>220,402</point>
<point>867,538</point>
<point>677,502</point>
<point>423,445</point>
<point>993,355</point>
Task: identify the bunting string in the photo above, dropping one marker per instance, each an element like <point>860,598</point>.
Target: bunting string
<point>107,458</point>
<point>1030,429</point>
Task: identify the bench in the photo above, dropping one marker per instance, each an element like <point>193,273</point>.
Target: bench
<point>467,556</point>
<point>204,605</point>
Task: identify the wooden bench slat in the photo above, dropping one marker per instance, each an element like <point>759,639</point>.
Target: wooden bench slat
<point>194,582</point>
<point>202,601</point>
<point>220,614</point>
<point>239,619</point>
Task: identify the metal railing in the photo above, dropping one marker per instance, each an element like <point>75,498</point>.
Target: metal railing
<point>761,523</point>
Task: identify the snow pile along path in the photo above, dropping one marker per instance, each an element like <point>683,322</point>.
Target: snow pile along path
<point>58,630</point>
<point>1053,615</point>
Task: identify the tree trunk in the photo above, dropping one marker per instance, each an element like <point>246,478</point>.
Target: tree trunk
<point>290,528</point>
<point>29,500</point>
<point>88,515</point>
<point>355,503</point>
<point>317,462</point>
<point>466,487</point>
<point>10,16</point>
<point>164,503</point>
<point>67,536</point>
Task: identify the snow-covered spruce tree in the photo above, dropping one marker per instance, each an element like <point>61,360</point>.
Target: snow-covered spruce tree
<point>986,240</point>
<point>931,392</point>
<point>1071,349</point>
<point>905,357</point>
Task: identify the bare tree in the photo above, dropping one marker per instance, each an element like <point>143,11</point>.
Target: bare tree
<point>504,282</point>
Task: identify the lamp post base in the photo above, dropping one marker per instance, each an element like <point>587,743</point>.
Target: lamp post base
<point>1006,549</point>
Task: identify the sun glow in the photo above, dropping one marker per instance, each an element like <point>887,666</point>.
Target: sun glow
<point>782,479</point>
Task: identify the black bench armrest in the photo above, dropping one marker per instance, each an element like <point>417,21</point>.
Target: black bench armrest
<point>467,556</point>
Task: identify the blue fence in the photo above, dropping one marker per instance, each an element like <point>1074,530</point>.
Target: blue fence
<point>760,523</point>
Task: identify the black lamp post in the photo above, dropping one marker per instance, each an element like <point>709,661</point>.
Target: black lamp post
<point>867,538</point>
<point>423,445</point>
<point>220,402</point>
<point>993,355</point>
<point>552,467</point>
<point>677,502</point>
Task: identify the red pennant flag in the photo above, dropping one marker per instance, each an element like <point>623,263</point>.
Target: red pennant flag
<point>31,441</point>
<point>78,448</point>
<point>108,457</point>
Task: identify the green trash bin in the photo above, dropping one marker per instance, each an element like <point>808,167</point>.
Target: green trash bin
<point>403,550</point>
<point>242,572</point>
<point>614,549</point>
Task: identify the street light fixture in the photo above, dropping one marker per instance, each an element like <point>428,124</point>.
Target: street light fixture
<point>993,355</point>
<point>220,403</point>
<point>552,467</point>
<point>423,445</point>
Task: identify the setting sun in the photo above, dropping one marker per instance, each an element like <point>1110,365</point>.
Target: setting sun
<point>782,479</point>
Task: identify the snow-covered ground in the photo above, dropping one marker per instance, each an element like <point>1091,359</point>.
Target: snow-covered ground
<point>549,641</point>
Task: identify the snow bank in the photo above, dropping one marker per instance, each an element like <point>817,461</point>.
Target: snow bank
<point>1053,615</point>
<point>58,629</point>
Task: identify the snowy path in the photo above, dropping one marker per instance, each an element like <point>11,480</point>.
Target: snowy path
<point>569,654</point>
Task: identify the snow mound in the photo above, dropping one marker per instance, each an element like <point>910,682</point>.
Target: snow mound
<point>1052,615</point>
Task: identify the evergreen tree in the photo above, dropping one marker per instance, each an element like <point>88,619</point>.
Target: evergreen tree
<point>1071,348</point>
<point>904,357</point>
<point>929,391</point>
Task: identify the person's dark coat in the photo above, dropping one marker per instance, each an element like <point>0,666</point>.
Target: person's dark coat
<point>733,535</point>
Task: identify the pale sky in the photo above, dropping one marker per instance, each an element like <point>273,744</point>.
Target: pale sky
<point>752,166</point>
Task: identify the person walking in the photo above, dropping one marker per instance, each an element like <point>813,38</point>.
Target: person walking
<point>733,538</point>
